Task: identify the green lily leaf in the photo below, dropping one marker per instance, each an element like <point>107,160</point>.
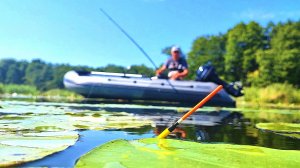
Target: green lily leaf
<point>19,148</point>
<point>285,129</point>
<point>153,152</point>
<point>32,131</point>
<point>280,127</point>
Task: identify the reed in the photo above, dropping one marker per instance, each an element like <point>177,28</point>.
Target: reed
<point>61,94</point>
<point>18,89</point>
<point>277,93</point>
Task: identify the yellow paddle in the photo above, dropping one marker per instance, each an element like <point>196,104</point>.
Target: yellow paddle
<point>167,131</point>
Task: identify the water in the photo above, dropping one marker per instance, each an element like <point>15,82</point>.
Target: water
<point>87,141</point>
<point>208,125</point>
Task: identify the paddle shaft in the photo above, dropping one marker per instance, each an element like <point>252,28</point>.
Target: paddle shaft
<point>167,131</point>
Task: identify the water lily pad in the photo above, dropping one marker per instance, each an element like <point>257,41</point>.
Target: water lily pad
<point>280,127</point>
<point>19,148</point>
<point>109,122</point>
<point>285,129</point>
<point>153,152</point>
<point>292,135</point>
<point>65,121</point>
<point>32,131</point>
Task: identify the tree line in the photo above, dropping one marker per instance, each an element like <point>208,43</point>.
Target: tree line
<point>250,53</point>
<point>255,55</point>
<point>46,76</point>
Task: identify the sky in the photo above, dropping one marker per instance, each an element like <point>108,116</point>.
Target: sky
<point>76,32</point>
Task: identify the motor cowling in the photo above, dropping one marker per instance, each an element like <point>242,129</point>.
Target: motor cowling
<point>207,73</point>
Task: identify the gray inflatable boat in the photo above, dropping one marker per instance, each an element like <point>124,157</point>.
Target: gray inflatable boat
<point>138,87</point>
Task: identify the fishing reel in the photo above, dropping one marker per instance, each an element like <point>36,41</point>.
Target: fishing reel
<point>207,73</point>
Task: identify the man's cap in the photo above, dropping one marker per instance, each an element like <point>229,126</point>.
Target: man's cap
<point>175,48</point>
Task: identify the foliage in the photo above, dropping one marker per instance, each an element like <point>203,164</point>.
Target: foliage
<point>274,93</point>
<point>19,89</point>
<point>258,56</point>
<point>61,93</point>
<point>281,62</point>
<point>255,55</point>
<point>141,69</point>
<point>1,88</point>
<point>45,76</point>
<point>210,48</point>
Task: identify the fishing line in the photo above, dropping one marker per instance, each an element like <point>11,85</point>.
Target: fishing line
<point>135,43</point>
<point>128,36</point>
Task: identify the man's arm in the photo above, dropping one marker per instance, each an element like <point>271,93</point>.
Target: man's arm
<point>161,70</point>
<point>180,75</point>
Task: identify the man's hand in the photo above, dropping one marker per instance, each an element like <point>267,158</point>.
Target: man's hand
<point>175,76</point>
<point>179,75</point>
<point>161,70</point>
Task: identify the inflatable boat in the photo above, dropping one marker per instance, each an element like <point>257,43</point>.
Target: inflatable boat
<point>138,87</point>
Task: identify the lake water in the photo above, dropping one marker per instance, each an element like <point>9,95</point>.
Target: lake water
<point>135,120</point>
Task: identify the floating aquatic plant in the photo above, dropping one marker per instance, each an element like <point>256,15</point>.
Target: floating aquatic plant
<point>153,152</point>
<point>286,129</point>
<point>30,131</point>
<point>280,127</point>
<point>19,148</point>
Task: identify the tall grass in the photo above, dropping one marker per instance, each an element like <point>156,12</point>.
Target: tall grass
<point>19,89</point>
<point>272,94</point>
<point>61,93</point>
<point>1,88</point>
<point>33,91</point>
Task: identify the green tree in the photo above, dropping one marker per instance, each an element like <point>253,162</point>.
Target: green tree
<point>13,75</point>
<point>254,41</point>
<point>166,50</point>
<point>114,68</point>
<point>285,43</point>
<point>242,43</point>
<point>4,66</point>
<point>279,63</point>
<point>141,69</point>
<point>204,49</point>
<point>234,52</point>
<point>58,74</point>
<point>38,74</point>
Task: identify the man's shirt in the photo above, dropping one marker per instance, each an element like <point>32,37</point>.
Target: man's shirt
<point>178,65</point>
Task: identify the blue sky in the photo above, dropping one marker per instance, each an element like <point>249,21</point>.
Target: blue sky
<point>77,33</point>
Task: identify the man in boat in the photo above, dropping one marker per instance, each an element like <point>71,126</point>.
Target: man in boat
<point>177,65</point>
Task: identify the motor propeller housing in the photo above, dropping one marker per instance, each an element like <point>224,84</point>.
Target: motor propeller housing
<point>207,73</point>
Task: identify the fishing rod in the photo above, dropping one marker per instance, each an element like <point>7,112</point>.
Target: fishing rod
<point>129,37</point>
<point>135,43</point>
<point>168,130</point>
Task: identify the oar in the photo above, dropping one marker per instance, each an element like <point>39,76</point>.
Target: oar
<point>167,131</point>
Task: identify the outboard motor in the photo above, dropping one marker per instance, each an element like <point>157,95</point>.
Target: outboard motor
<point>207,73</point>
